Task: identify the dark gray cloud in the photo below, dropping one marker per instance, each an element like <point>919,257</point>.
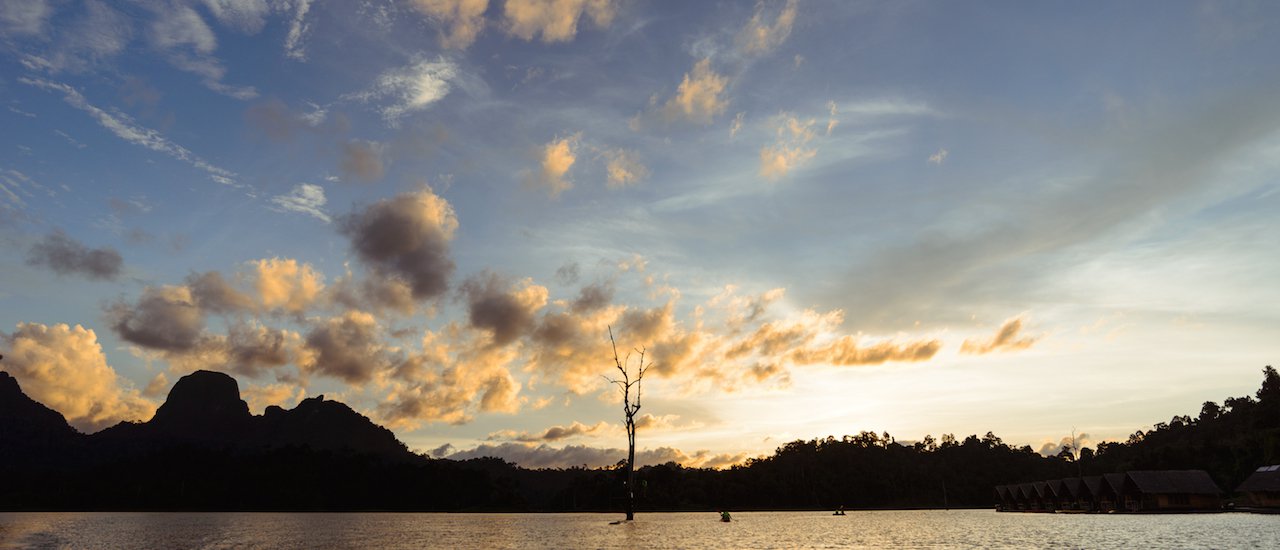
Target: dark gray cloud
<point>164,318</point>
<point>493,303</point>
<point>374,293</point>
<point>545,456</point>
<point>280,123</point>
<point>568,273</point>
<point>253,348</point>
<point>213,293</point>
<point>554,433</point>
<point>348,347</point>
<point>407,237</point>
<point>66,256</point>
<point>362,161</point>
<point>593,297</point>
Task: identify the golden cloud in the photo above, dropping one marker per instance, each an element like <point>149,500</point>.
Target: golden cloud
<point>1007,338</point>
<point>286,284</point>
<point>700,97</point>
<point>791,148</point>
<point>554,20</point>
<point>555,160</point>
<point>463,19</point>
<point>761,36</point>
<point>64,368</point>
<point>624,168</point>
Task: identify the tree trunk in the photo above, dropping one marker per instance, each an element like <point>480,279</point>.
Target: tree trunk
<point>631,470</point>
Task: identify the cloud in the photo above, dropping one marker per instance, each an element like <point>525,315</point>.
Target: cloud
<point>554,20</point>
<point>568,273</point>
<point>165,318</point>
<point>700,97</point>
<point>736,125</point>
<point>463,19</point>
<point>157,387</point>
<point>624,168</point>
<point>211,292</point>
<point>555,159</point>
<point>125,128</point>
<point>406,237</point>
<point>938,158</point>
<point>1049,448</point>
<point>280,394</point>
<point>456,374</point>
<point>252,348</point>
<point>648,422</point>
<point>810,339</point>
<point>997,247</point>
<point>79,41</point>
<point>362,160</point>
<point>409,89</point>
<point>1007,338</point>
<point>375,293</point>
<point>847,350</point>
<point>66,256</point>
<point>552,434</point>
<point>286,284</point>
<point>64,368</point>
<point>530,455</point>
<point>790,149</point>
<point>504,309</point>
<point>593,297</point>
<point>24,18</point>
<point>832,121</point>
<point>248,16</point>
<point>280,123</point>
<point>348,347</point>
<point>188,42</point>
<point>304,198</point>
<point>294,48</point>
<point>761,36</point>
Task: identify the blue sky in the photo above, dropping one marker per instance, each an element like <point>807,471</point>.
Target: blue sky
<point>818,217</point>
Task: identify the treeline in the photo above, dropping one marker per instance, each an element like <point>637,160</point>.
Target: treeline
<point>44,465</point>
<point>873,471</point>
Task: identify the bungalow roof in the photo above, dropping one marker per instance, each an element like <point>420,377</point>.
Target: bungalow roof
<point>1264,479</point>
<point>1186,482</point>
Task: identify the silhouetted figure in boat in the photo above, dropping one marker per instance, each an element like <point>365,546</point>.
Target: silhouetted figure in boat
<point>724,516</point>
<point>839,512</point>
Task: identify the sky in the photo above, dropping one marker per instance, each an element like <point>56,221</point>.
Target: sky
<point>815,218</point>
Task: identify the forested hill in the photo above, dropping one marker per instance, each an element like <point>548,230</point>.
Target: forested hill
<point>206,452</point>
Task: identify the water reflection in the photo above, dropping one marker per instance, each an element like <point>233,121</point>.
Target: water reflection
<point>918,529</point>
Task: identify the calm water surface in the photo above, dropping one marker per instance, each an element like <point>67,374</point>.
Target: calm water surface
<point>889,529</point>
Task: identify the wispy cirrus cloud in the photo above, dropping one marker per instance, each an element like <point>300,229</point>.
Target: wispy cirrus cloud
<point>304,198</point>
<point>761,35</point>
<point>409,89</point>
<point>124,127</point>
<point>295,47</point>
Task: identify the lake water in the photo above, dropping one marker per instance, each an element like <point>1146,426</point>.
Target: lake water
<point>887,529</point>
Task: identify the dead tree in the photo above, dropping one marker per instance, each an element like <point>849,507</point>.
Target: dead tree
<point>630,406</point>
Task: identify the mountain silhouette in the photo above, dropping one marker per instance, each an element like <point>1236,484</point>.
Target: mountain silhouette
<point>204,409</point>
<point>36,427</point>
<point>203,450</point>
